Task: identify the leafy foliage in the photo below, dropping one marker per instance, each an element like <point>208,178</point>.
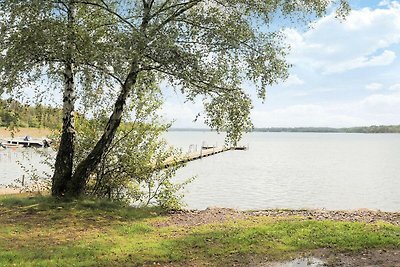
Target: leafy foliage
<point>133,167</point>
<point>15,114</point>
<point>204,48</point>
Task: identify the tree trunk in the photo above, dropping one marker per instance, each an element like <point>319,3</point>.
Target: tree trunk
<point>64,160</point>
<point>87,166</point>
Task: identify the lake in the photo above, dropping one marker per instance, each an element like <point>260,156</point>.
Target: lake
<point>283,170</point>
<point>296,170</point>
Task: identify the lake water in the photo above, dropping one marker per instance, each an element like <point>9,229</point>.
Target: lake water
<point>296,170</point>
<point>283,170</point>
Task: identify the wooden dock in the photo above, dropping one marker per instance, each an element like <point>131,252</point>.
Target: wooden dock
<point>204,152</point>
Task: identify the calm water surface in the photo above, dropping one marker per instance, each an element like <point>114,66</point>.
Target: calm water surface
<point>296,170</point>
<point>281,170</point>
<point>11,161</point>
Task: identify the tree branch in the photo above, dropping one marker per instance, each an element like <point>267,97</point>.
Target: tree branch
<point>108,9</point>
<point>186,6</point>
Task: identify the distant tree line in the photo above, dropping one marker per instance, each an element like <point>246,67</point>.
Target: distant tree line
<point>15,114</point>
<point>363,129</point>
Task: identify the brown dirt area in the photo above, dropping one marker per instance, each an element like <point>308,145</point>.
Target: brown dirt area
<point>371,258</point>
<point>325,257</point>
<point>200,217</point>
<point>8,191</point>
<point>33,132</point>
<point>362,215</point>
<point>215,215</point>
<point>377,257</point>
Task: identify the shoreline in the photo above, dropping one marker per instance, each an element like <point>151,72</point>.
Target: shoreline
<point>22,132</point>
<point>216,215</point>
<point>9,191</point>
<point>190,217</point>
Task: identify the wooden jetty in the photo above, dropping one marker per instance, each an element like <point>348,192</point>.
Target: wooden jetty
<point>204,152</point>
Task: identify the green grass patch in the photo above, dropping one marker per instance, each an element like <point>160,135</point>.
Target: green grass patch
<point>43,231</point>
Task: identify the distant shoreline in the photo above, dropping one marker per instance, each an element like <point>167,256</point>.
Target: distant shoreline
<point>362,129</point>
<point>21,132</point>
<point>45,132</point>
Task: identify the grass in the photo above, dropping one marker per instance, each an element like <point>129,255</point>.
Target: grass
<point>42,231</point>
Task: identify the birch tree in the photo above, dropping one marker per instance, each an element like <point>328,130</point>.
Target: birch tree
<point>204,48</point>
<point>47,40</point>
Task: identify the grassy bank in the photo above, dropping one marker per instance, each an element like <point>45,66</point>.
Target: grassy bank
<point>42,231</point>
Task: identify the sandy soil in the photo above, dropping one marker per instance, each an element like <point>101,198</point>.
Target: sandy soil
<point>199,217</point>
<point>212,215</point>
<point>33,132</point>
<point>362,215</point>
<point>8,191</point>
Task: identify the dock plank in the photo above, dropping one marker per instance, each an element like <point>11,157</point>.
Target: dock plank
<point>194,155</point>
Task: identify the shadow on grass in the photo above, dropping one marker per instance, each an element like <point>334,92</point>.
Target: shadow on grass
<point>227,244</point>
<point>46,205</point>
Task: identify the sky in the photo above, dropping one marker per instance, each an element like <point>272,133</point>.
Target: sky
<point>344,74</point>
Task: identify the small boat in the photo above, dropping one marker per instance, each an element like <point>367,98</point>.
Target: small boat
<point>9,145</point>
<point>27,142</point>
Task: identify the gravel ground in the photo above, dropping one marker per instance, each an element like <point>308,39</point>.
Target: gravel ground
<point>213,215</point>
<point>367,216</point>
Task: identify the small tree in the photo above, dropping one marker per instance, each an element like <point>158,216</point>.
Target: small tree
<point>132,168</point>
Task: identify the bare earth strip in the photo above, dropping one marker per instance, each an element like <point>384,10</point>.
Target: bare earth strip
<point>216,215</point>
<point>21,132</point>
<point>8,191</point>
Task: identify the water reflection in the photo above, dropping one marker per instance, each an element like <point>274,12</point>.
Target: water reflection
<point>18,162</point>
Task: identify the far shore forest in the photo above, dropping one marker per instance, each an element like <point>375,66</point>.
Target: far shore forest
<point>15,114</point>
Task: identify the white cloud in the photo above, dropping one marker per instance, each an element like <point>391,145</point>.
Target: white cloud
<point>383,102</point>
<point>293,80</point>
<point>395,87</point>
<point>182,114</point>
<point>304,115</point>
<point>371,110</point>
<point>387,3</point>
<point>374,86</point>
<point>384,3</point>
<point>364,39</point>
<point>386,58</point>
